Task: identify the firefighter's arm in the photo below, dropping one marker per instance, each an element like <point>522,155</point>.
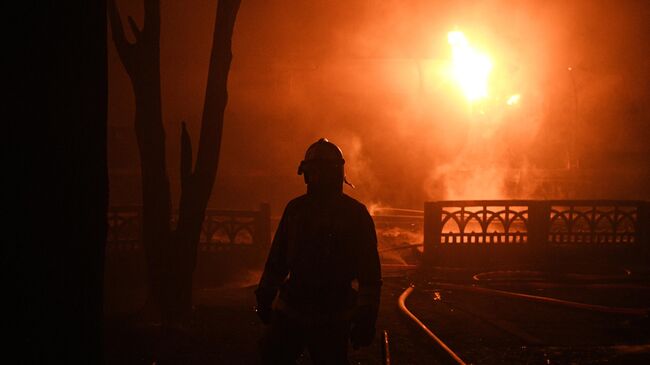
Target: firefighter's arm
<point>363,323</point>
<point>275,272</point>
<point>369,266</point>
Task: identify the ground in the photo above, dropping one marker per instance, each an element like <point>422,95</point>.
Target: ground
<point>482,329</point>
<point>225,330</point>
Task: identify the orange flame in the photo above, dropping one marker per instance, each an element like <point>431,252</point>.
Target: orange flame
<point>470,68</point>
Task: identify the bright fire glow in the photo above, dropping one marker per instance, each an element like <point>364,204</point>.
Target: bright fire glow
<point>514,99</point>
<point>470,68</point>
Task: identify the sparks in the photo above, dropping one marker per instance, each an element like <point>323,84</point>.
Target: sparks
<point>514,99</point>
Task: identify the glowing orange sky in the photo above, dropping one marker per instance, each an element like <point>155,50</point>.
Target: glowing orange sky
<point>366,75</point>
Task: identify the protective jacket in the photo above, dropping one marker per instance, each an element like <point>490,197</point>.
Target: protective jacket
<point>323,243</point>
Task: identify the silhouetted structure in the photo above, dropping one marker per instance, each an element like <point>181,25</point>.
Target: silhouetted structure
<point>325,241</point>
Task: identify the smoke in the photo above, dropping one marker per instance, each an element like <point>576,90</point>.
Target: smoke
<point>399,244</point>
<point>370,76</point>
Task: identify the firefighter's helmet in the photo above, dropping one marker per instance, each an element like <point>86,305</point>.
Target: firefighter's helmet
<point>323,153</point>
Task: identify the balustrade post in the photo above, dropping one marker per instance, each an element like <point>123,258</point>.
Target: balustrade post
<point>539,221</point>
<point>539,213</point>
<point>432,228</point>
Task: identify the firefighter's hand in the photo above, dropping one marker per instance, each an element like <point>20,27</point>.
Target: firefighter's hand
<point>363,327</point>
<point>264,308</point>
<point>265,314</point>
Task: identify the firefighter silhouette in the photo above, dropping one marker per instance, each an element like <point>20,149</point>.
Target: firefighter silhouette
<point>321,283</point>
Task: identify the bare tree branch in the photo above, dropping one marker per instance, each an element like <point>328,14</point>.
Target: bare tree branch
<point>216,96</point>
<point>134,28</point>
<point>197,186</point>
<point>186,157</point>
<point>121,43</point>
<point>151,27</point>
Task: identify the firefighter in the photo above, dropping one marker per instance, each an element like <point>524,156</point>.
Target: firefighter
<point>321,282</point>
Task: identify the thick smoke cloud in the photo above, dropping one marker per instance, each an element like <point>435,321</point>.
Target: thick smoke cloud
<point>369,76</point>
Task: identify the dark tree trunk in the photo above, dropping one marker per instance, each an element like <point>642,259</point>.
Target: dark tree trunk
<point>58,229</point>
<point>142,63</point>
<point>172,255</point>
<point>196,186</point>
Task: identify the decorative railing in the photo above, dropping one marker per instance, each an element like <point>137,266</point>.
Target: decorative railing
<point>539,222</point>
<point>221,229</point>
<point>595,223</point>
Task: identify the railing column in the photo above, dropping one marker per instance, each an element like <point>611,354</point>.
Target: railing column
<point>432,228</point>
<point>539,213</point>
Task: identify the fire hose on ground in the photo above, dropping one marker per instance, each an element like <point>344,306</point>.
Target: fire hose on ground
<point>456,359</point>
<point>385,349</point>
<point>550,300</point>
<point>566,303</point>
<point>448,351</point>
